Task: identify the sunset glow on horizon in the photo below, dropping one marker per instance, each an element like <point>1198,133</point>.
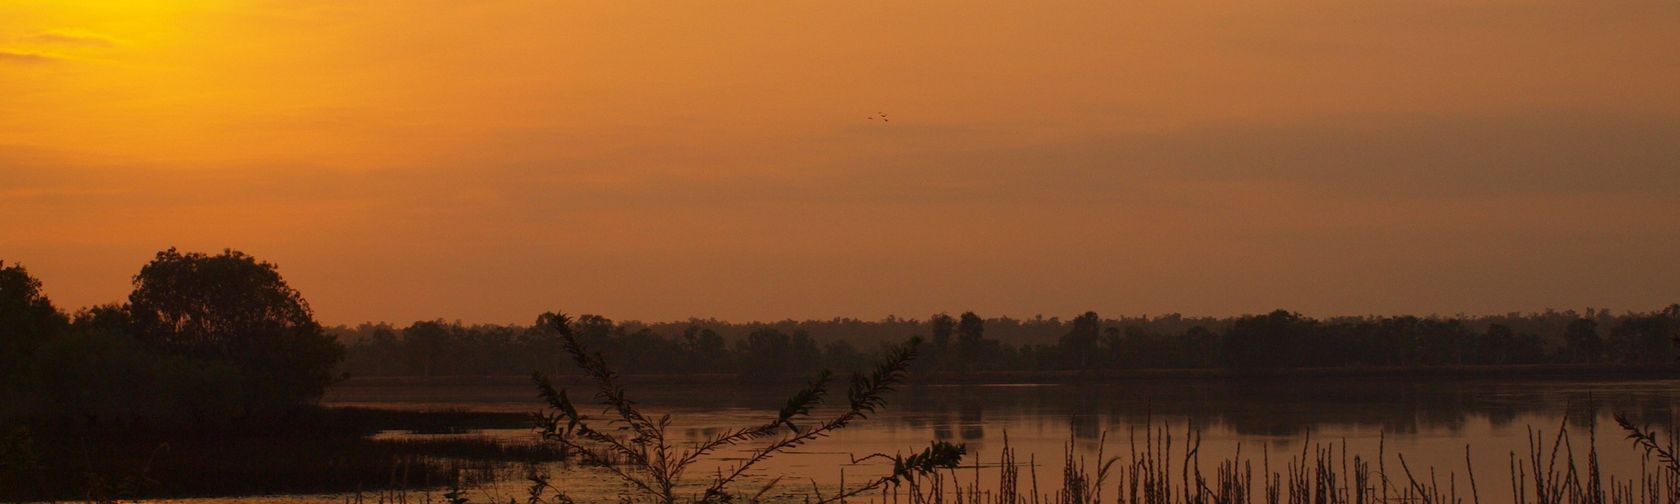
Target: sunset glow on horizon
<point>488,161</point>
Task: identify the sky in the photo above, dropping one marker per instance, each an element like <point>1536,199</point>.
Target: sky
<point>658,160</point>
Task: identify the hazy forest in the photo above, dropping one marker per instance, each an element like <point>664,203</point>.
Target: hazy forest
<point>971,343</point>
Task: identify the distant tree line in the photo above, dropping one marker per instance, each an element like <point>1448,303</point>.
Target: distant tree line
<point>971,343</point>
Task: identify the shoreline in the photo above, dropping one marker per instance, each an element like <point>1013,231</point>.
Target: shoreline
<point>1502,372</point>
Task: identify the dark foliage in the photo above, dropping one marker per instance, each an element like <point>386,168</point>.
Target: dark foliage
<point>202,385</point>
<point>306,450</point>
<point>27,320</point>
<point>231,308</point>
<point>758,352</point>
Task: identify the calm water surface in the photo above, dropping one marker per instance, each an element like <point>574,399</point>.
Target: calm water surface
<point>1429,422</point>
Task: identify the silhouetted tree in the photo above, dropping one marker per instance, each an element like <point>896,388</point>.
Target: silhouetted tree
<point>1201,347</point>
<point>1582,341</point>
<point>1672,313</point>
<point>1080,343</point>
<point>765,355</point>
<point>232,308</point>
<point>1644,338</point>
<point>27,320</point>
<point>1496,346</point>
<point>597,332</point>
<point>803,353</point>
<point>384,341</point>
<point>971,334</point>
<point>645,351</point>
<point>939,356</point>
<point>842,355</point>
<point>1113,348</point>
<point>1278,339</point>
<point>1266,340</point>
<point>1440,342</point>
<point>706,349</point>
<point>429,344</point>
<point>27,317</point>
<point>541,344</point>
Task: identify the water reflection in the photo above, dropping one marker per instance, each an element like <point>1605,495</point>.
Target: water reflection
<point>1283,408</point>
<point>1432,422</point>
<point>1248,408</point>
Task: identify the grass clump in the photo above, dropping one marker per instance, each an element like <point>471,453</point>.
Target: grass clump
<point>635,447</point>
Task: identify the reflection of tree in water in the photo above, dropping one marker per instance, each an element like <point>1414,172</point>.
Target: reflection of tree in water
<point>972,421</point>
<point>967,424</point>
<point>701,433</point>
<point>1085,426</point>
<point>1643,409</point>
<point>1502,415</point>
<point>1282,409</point>
<point>942,430</point>
<point>1582,413</point>
<point>1291,407</point>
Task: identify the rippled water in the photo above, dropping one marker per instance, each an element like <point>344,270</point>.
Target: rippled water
<point>1429,422</point>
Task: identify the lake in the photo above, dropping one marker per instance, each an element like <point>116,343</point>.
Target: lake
<point>1429,422</point>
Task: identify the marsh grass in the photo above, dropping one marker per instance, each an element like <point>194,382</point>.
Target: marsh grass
<point>636,449</point>
<point>1553,470</point>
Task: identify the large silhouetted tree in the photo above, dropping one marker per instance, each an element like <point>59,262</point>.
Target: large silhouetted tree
<point>27,317</point>
<point>232,308</point>
<point>27,320</point>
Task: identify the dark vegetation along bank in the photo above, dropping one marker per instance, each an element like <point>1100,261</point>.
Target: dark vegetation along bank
<point>968,346</point>
<point>207,380</point>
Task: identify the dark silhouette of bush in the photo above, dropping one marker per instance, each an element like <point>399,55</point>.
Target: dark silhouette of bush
<point>231,308</point>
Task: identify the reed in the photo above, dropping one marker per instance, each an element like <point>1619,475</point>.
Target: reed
<point>1553,470</point>
<point>636,449</point>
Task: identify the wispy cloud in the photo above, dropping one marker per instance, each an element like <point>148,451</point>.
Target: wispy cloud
<point>26,58</point>
<point>74,38</point>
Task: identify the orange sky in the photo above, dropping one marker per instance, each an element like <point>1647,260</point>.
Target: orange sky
<point>656,160</point>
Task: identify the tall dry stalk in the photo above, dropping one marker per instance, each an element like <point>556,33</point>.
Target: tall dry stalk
<point>635,447</point>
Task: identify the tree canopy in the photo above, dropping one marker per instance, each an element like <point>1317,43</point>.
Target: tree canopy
<point>27,320</point>
<point>27,317</point>
<point>232,308</point>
